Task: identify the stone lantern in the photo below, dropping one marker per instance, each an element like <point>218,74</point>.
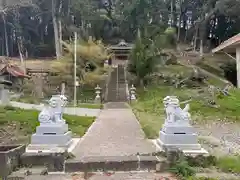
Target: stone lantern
<point>133,93</point>
<point>4,91</point>
<point>98,90</point>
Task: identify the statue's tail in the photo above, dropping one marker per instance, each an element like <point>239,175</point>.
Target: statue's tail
<point>187,108</point>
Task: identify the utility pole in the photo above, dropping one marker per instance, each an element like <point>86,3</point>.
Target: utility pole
<point>75,70</point>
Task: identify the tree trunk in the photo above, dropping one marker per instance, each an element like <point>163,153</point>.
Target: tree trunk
<point>60,27</point>
<point>141,82</point>
<point>203,35</point>
<point>11,42</point>
<point>171,22</point>
<point>185,25</point>
<point>179,22</point>
<point>5,35</point>
<point>201,47</point>
<point>56,30</point>
<point>60,36</point>
<point>19,44</point>
<point>195,39</point>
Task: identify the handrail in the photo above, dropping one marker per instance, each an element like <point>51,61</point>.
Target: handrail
<point>107,84</point>
<point>117,83</point>
<point>126,83</point>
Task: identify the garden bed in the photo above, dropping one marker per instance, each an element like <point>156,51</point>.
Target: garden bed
<point>17,125</point>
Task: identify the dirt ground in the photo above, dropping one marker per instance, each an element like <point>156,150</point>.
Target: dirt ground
<point>10,134</point>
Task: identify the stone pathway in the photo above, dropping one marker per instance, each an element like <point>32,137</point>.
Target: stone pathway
<point>68,110</point>
<point>116,132</point>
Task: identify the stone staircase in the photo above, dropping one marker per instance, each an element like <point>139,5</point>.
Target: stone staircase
<point>116,89</point>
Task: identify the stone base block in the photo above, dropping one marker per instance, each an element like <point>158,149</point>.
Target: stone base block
<point>52,148</point>
<point>58,139</point>
<point>185,147</point>
<point>171,129</point>
<point>52,161</point>
<point>182,141</point>
<point>52,128</point>
<point>115,163</point>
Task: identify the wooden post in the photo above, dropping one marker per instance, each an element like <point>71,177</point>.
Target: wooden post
<point>63,89</point>
<point>238,65</point>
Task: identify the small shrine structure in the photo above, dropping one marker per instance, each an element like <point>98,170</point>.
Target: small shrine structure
<point>121,50</point>
<point>231,46</point>
<point>12,73</point>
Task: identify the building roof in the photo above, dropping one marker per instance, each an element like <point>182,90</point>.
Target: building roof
<point>122,45</point>
<point>14,70</point>
<point>229,45</point>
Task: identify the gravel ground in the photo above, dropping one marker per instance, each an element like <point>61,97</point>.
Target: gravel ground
<point>222,138</point>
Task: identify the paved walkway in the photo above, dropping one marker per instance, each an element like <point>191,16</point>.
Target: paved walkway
<point>116,132</point>
<point>68,110</point>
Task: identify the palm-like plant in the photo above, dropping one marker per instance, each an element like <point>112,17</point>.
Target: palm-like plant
<point>90,58</point>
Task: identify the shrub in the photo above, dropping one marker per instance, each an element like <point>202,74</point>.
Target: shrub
<point>142,58</point>
<point>182,169</point>
<point>9,108</point>
<point>229,164</point>
<point>201,161</point>
<point>199,178</point>
<point>230,72</point>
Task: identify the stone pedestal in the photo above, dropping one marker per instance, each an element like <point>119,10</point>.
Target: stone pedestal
<point>182,137</point>
<point>177,133</point>
<point>4,93</point>
<point>52,134</point>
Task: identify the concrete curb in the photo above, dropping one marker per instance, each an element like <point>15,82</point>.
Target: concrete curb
<point>116,163</point>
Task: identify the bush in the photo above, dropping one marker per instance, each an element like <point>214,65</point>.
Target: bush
<point>229,164</point>
<point>199,178</point>
<point>9,108</point>
<point>143,58</point>
<point>201,161</point>
<point>230,72</point>
<point>171,36</point>
<point>182,169</point>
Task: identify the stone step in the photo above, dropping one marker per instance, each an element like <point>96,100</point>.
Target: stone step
<point>53,161</point>
<point>118,163</point>
<point>117,92</point>
<point>127,175</point>
<point>22,173</point>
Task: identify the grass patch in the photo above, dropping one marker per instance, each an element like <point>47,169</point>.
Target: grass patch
<point>150,111</point>
<point>229,164</point>
<point>210,68</point>
<point>173,69</point>
<point>150,123</point>
<point>28,99</point>
<point>28,120</point>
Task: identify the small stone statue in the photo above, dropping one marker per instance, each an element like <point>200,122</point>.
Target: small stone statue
<point>54,111</point>
<point>174,112</point>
